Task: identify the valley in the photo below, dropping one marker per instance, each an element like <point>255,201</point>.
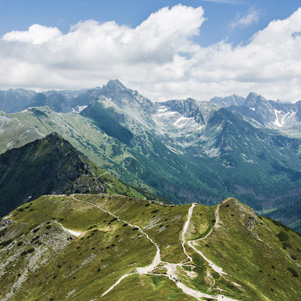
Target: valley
<point>182,150</point>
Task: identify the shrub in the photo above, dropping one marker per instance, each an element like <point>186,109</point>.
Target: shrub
<point>286,245</point>
<point>6,243</point>
<point>294,273</point>
<point>34,239</point>
<point>2,232</point>
<point>282,236</point>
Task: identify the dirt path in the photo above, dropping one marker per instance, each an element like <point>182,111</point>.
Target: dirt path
<point>171,267</point>
<point>193,243</point>
<point>185,228</point>
<point>142,270</point>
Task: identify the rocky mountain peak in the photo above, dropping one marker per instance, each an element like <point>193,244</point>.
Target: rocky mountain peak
<point>115,84</point>
<point>254,99</point>
<point>233,100</point>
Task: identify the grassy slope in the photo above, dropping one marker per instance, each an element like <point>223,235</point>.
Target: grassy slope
<point>262,266</point>
<point>255,252</point>
<point>14,134</point>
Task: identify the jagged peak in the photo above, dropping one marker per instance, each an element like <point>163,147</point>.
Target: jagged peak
<point>254,95</point>
<point>115,84</point>
<point>180,101</point>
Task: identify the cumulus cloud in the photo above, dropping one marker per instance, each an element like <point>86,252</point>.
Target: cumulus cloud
<point>251,17</point>
<point>159,58</point>
<point>36,34</point>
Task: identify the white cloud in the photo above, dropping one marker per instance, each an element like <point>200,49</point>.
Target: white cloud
<point>251,17</point>
<point>36,34</point>
<point>158,58</point>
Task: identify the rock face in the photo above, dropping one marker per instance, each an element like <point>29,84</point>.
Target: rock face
<point>47,166</point>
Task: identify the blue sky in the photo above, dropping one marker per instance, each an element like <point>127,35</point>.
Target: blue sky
<point>199,52</point>
<point>20,14</point>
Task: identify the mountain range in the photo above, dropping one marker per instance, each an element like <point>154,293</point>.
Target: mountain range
<point>264,113</point>
<point>183,150</point>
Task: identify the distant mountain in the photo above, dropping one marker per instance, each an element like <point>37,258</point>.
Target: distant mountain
<point>15,100</point>
<point>266,113</point>
<point>233,100</point>
<point>86,247</point>
<point>52,166</point>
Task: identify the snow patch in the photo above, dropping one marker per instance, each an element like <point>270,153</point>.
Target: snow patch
<point>174,150</point>
<point>281,120</point>
<point>78,109</point>
<point>166,114</point>
<point>162,109</point>
<point>201,127</point>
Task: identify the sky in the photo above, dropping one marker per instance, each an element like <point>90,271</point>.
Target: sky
<point>164,49</point>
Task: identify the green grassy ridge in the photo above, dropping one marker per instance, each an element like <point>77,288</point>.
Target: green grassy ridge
<point>61,269</point>
<point>262,254</point>
<point>84,267</point>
